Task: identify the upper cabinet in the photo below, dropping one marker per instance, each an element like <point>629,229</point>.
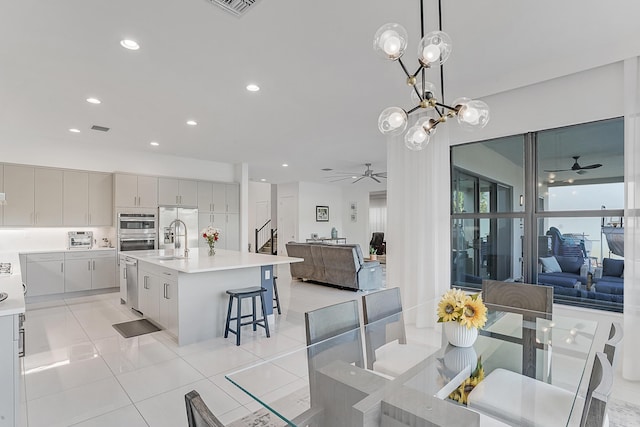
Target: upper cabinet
<point>1,191</point>
<point>218,197</point>
<point>100,198</point>
<point>136,191</point>
<point>49,197</point>
<point>177,192</point>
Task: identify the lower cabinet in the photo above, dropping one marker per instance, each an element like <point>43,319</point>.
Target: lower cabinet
<point>60,272</point>
<point>158,296</point>
<point>9,371</point>
<point>45,274</point>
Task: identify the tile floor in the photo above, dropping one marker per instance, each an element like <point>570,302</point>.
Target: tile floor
<point>79,371</point>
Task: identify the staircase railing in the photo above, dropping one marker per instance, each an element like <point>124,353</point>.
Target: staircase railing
<point>262,236</point>
<point>274,241</point>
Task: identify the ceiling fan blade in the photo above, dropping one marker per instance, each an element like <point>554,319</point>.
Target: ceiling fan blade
<point>375,179</point>
<point>581,172</point>
<point>358,179</point>
<point>558,170</point>
<point>340,179</point>
<point>380,174</point>
<point>594,166</point>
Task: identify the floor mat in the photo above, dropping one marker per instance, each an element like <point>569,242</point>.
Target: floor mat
<point>135,328</point>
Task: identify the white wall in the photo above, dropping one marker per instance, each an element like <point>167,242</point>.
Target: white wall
<point>287,217</point>
<point>357,232</point>
<point>311,195</point>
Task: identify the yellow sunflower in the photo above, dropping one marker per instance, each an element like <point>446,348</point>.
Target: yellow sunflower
<point>474,312</point>
<point>449,308</point>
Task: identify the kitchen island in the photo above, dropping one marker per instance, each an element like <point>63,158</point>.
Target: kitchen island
<point>187,296</point>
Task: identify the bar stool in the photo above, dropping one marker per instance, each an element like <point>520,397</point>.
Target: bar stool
<point>276,298</point>
<point>239,294</point>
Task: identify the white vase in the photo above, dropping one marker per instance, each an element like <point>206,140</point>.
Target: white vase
<point>460,335</point>
<point>458,358</point>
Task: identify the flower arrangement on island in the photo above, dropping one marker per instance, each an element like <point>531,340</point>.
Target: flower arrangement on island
<point>211,235</point>
<point>457,306</point>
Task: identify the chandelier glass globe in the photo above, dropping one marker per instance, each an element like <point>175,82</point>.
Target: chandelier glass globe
<point>434,48</point>
<point>418,135</point>
<point>473,115</point>
<point>392,121</point>
<point>390,41</point>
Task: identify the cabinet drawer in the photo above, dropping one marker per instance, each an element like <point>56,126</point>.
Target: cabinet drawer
<point>78,255</point>
<point>103,254</point>
<point>58,256</point>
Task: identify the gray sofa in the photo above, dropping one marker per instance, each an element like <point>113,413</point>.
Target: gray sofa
<point>338,265</point>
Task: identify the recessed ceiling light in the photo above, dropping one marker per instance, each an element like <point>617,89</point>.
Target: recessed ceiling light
<point>284,165</point>
<point>354,177</point>
<point>192,122</point>
<point>155,144</point>
<point>262,179</point>
<point>253,87</point>
<point>129,44</point>
<point>93,101</point>
<point>74,130</point>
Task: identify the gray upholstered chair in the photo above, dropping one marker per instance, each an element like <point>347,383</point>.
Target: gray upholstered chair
<point>386,344</point>
<point>532,302</point>
<point>198,414</point>
<point>615,336</point>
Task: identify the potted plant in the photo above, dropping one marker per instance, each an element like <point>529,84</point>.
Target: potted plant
<point>372,254</point>
<point>462,316</point>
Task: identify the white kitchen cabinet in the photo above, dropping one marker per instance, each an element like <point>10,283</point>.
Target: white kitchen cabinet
<point>136,191</point>
<point>77,273</point>
<point>219,198</point>
<point>100,199</point>
<point>19,183</point>
<point>45,274</point>
<point>1,191</point>
<point>149,294</point>
<point>232,192</point>
<point>48,197</point>
<point>75,198</point>
<point>205,196</point>
<point>232,227</point>
<point>89,270</point>
<point>168,305</point>
<point>178,192</point>
<point>9,371</point>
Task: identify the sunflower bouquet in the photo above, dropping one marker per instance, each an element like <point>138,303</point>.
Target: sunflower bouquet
<point>462,392</point>
<point>457,306</point>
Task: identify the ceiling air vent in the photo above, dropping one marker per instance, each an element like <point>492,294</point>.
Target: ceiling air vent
<point>235,7</point>
<point>326,169</point>
<point>100,128</point>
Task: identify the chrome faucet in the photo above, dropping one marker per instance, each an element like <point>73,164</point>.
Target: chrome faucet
<point>176,221</point>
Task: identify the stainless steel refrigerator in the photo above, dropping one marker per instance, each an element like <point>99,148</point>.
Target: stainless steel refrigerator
<point>168,235</point>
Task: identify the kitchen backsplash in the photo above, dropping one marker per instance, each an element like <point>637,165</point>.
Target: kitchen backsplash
<point>13,241</point>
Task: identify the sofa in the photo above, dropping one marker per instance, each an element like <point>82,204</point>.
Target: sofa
<point>338,265</point>
<point>568,276</point>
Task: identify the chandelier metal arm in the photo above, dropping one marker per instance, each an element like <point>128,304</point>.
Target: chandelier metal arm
<point>413,109</point>
<point>446,106</point>
<point>405,69</point>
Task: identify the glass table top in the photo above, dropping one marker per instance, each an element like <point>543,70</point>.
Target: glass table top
<point>423,380</point>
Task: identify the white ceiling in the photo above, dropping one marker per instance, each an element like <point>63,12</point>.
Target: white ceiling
<point>322,85</point>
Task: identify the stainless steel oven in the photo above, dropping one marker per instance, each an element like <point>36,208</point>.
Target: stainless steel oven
<point>137,231</point>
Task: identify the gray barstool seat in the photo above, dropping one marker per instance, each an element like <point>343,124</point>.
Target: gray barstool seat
<point>239,294</point>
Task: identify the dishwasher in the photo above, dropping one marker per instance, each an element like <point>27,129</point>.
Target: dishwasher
<point>131,274</point>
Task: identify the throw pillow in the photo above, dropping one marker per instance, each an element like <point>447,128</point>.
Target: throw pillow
<point>550,265</point>
<point>612,267</point>
<point>570,264</point>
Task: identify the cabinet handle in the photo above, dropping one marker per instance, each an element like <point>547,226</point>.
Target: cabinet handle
<point>176,200</point>
<point>213,207</point>
<point>94,264</point>
<point>89,218</point>
<point>89,265</point>
<point>21,343</point>
<point>124,274</point>
<point>62,267</point>
<point>166,294</point>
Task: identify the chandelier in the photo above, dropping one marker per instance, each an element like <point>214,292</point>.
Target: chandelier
<point>390,42</point>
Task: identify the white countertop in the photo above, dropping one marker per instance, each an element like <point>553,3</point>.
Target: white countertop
<point>50,251</point>
<point>199,260</point>
<point>14,304</point>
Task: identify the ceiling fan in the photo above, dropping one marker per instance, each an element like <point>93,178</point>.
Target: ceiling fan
<point>368,173</point>
<point>577,168</point>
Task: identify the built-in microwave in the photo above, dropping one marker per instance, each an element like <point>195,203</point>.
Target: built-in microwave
<point>136,222</point>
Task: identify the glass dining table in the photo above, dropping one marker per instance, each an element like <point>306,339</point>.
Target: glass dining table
<point>322,385</point>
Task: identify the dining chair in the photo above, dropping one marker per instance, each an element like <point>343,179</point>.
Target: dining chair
<point>198,414</point>
<point>615,336</point>
<point>386,344</point>
<point>530,301</point>
<point>526,401</point>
